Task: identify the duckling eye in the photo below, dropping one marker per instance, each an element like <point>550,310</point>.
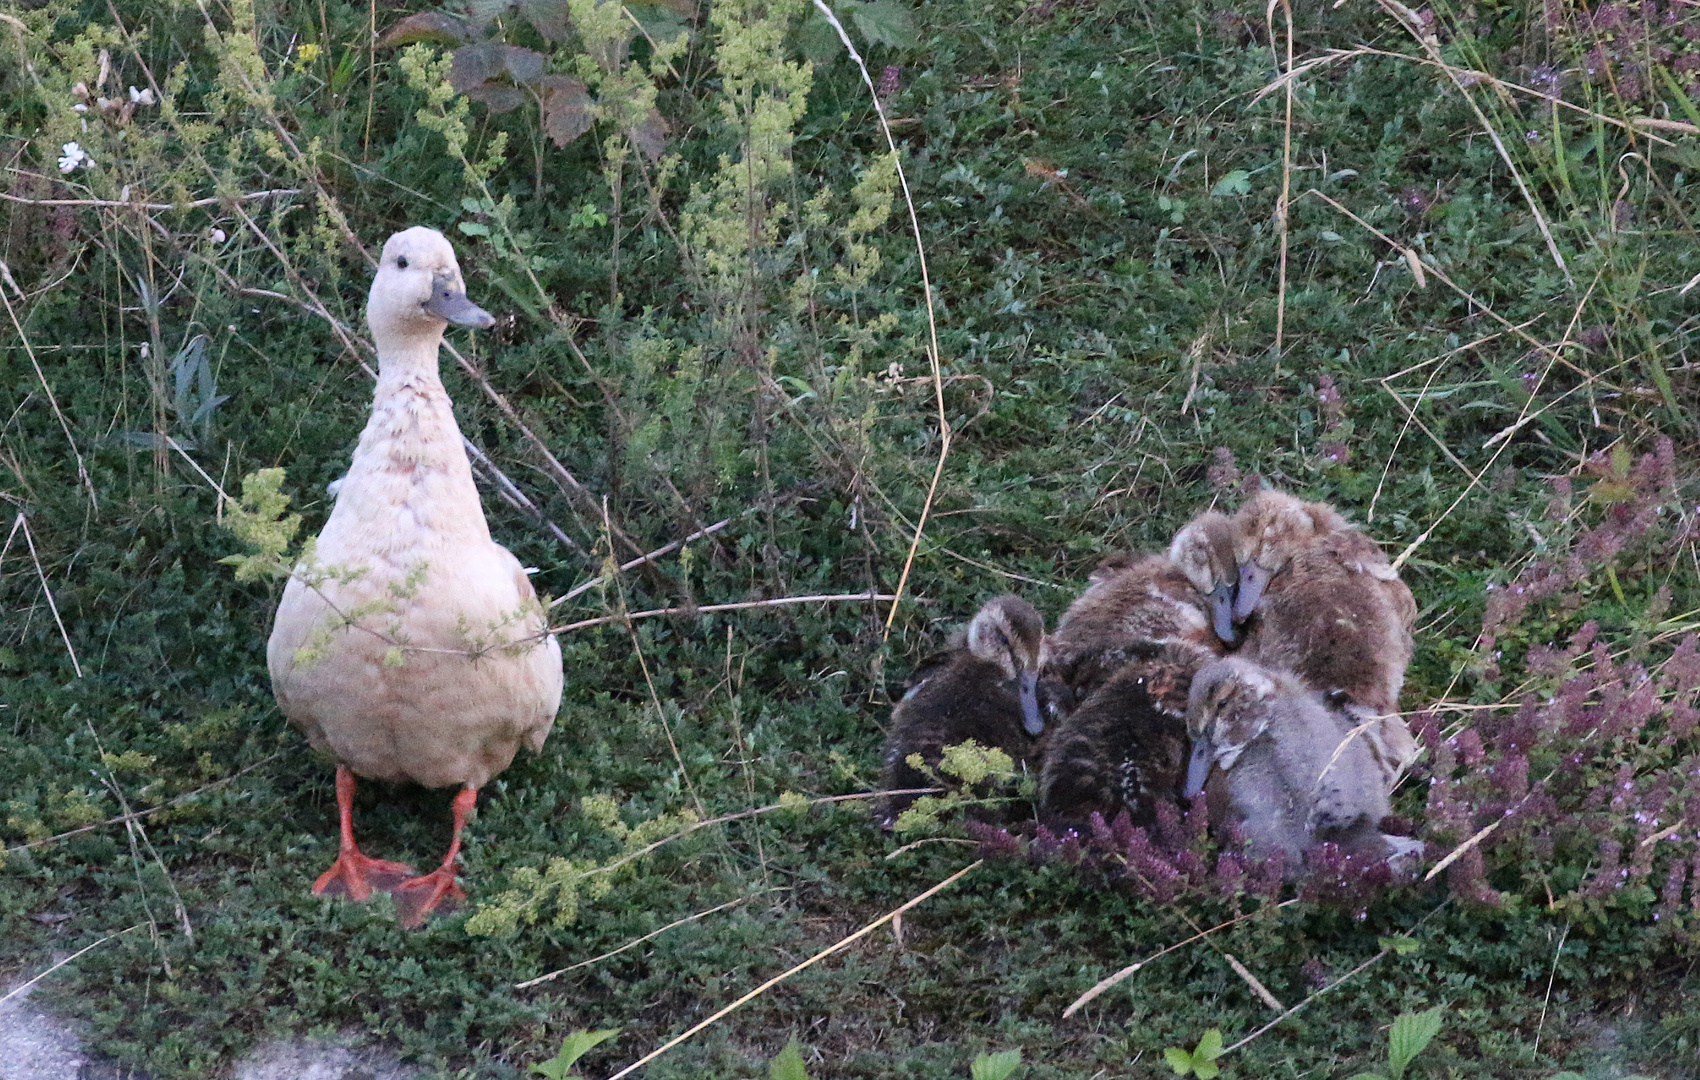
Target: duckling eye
<point>401,262</point>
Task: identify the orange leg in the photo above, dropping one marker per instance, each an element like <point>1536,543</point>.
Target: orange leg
<point>354,874</point>
<point>416,899</point>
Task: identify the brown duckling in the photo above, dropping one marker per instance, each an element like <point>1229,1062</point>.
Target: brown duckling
<point>1326,606</point>
<point>1126,649</point>
<point>1133,606</point>
<point>1293,771</point>
<point>986,688</point>
<point>1125,747</point>
<point>1204,551</point>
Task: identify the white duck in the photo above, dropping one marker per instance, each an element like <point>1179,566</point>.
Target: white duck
<point>410,646</point>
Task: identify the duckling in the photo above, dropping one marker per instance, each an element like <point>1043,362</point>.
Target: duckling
<point>1125,747</point>
<point>1127,649</point>
<point>1292,771</point>
<point>1132,607</point>
<point>1329,608</point>
<point>986,688</point>
<point>413,647</point>
<point>1204,551</point>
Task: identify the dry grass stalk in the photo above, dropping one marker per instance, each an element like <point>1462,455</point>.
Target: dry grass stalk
<point>1285,203</point>
<point>705,609</point>
<point>23,988</point>
<point>1254,982</point>
<point>639,941</point>
<point>838,946</point>
<point>1122,975</point>
<point>932,318</point>
<point>1408,19</point>
<point>21,524</point>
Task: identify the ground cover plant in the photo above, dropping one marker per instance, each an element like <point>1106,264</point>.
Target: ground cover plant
<point>1428,264</point>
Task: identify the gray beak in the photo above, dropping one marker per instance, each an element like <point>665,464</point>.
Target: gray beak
<point>1222,611</point>
<point>1197,769</point>
<point>1253,580</point>
<point>450,303</point>
<point>1030,718</point>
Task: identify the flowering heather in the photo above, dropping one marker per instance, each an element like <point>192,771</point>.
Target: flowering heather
<point>1588,772</point>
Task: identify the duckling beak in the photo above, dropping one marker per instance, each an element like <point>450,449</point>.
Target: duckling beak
<point>1030,718</point>
<point>1222,611</point>
<point>448,301</point>
<point>1198,768</point>
<point>1253,580</point>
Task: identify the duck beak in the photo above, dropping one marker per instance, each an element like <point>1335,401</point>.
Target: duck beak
<point>1198,768</point>
<point>448,302</point>
<point>1253,580</point>
<point>1030,718</point>
<point>1222,611</point>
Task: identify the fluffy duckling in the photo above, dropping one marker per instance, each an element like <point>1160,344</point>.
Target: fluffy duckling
<point>1293,771</point>
<point>1125,747</point>
<point>1127,649</point>
<point>413,647</point>
<point>1329,608</point>
<point>1204,551</point>
<point>986,688</point>
<point>1133,606</point>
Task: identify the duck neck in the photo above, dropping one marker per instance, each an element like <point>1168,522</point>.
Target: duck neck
<point>410,472</point>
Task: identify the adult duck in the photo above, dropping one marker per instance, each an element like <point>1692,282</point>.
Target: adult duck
<point>412,646</point>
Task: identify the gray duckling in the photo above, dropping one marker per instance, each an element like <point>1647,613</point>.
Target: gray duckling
<point>985,688</point>
<point>1290,769</point>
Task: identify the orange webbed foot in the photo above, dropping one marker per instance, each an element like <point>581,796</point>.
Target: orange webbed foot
<point>419,897</point>
<point>354,875</point>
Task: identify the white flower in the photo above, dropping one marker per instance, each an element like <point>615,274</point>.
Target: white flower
<point>79,107</point>
<point>74,156</point>
<point>141,97</point>
<point>216,236</point>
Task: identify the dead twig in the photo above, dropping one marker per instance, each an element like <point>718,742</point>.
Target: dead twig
<point>708,608</point>
<point>639,941</point>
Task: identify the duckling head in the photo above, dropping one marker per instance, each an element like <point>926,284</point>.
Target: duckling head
<point>1268,530</point>
<point>417,292</point>
<point>1227,708</point>
<point>1204,551</point>
<point>1010,632</point>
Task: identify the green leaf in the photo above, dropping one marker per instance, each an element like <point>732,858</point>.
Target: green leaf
<point>573,1047</point>
<point>1568,1076</point>
<point>1179,1060</point>
<point>1237,182</point>
<point>1367,1076</point>
<point>1331,237</point>
<point>473,228</point>
<point>1209,1047</point>
<point>1206,1070</point>
<point>1411,1032</point>
<point>998,1066</point>
<point>1401,945</point>
<point>885,22</point>
<point>788,1063</point>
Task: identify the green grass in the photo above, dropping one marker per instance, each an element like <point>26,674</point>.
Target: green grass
<point>1078,313</point>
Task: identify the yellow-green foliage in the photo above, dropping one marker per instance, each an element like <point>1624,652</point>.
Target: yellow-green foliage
<point>962,768</point>
<point>564,883</point>
<point>260,522</point>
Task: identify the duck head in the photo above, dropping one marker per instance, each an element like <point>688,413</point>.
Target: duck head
<point>1010,632</point>
<point>418,291</point>
<point>1268,530</point>
<point>1226,710</point>
<point>1204,551</point>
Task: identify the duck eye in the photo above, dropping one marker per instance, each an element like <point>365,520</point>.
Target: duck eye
<point>401,262</point>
